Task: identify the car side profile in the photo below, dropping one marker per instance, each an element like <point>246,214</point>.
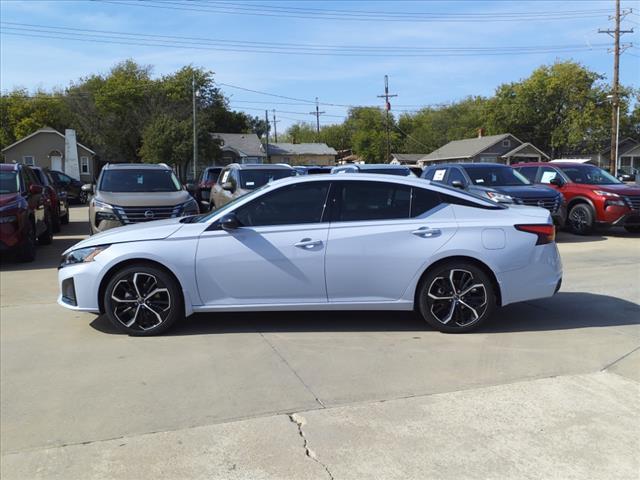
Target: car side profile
<point>320,242</point>
<point>595,198</point>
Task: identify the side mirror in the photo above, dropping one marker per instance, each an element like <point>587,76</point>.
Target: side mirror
<point>35,189</point>
<point>229,222</point>
<point>557,181</point>
<point>457,184</point>
<point>228,186</point>
<point>87,188</point>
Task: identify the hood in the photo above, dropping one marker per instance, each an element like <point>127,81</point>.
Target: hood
<point>528,191</point>
<point>156,230</point>
<point>619,188</point>
<point>143,199</point>
<point>8,198</point>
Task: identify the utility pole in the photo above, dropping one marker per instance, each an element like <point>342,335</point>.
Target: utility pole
<point>317,113</point>
<point>275,126</point>
<point>387,107</point>
<point>195,136</point>
<point>615,93</point>
<point>266,119</point>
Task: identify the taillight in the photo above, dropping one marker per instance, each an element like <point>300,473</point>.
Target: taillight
<point>546,233</point>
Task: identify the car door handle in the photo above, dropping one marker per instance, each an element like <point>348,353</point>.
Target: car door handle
<point>426,232</point>
<point>307,243</point>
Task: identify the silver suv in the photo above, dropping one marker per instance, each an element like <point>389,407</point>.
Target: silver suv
<point>136,192</point>
<point>239,179</point>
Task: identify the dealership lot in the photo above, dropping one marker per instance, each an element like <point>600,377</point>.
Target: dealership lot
<point>76,395</point>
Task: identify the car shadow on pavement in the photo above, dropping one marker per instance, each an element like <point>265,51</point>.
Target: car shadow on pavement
<point>561,312</point>
<point>48,256</point>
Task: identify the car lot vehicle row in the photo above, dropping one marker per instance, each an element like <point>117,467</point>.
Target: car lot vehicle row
<point>321,242</point>
<point>34,203</point>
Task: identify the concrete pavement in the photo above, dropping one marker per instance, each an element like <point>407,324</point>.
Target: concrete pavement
<point>224,385</point>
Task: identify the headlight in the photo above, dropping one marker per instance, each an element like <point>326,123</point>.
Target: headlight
<point>82,255</point>
<point>99,204</point>
<point>190,207</point>
<point>8,219</point>
<point>500,197</point>
<point>606,194</point>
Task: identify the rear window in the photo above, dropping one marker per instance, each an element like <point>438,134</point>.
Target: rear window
<point>9,182</point>
<point>252,179</point>
<point>143,180</point>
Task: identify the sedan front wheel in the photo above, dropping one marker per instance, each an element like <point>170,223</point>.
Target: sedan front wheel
<point>456,297</point>
<point>143,300</point>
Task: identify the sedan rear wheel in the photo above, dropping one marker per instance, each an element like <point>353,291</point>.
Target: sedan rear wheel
<point>143,300</point>
<point>456,297</point>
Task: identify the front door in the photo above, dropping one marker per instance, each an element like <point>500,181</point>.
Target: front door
<point>381,235</point>
<point>56,163</point>
<point>277,254</point>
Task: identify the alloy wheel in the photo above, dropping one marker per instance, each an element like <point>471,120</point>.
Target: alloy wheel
<point>140,301</point>
<point>457,298</point>
<point>579,219</point>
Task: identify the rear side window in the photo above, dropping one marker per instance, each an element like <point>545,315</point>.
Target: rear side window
<point>252,179</point>
<point>528,172</point>
<point>356,201</point>
<point>423,200</point>
<point>290,205</point>
<point>212,175</point>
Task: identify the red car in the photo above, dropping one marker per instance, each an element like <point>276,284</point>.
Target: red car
<point>24,217</point>
<point>56,198</point>
<point>594,197</point>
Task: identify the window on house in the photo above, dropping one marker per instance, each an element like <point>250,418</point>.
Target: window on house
<point>29,160</point>
<point>506,143</point>
<point>84,165</point>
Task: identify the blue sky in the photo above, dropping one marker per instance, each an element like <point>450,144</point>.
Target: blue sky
<point>46,63</point>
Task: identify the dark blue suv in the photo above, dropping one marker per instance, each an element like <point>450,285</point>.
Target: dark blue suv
<point>499,183</point>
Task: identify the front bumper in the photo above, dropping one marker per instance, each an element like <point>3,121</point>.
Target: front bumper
<point>84,280</point>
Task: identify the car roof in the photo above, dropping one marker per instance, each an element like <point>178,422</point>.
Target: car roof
<point>136,166</point>
<point>8,166</point>
<point>470,165</point>
<point>260,166</point>
<point>377,166</point>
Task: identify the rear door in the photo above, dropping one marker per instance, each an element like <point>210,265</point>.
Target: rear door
<point>381,235</point>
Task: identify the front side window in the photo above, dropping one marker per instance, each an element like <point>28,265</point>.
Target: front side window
<point>491,176</point>
<point>211,175</point>
<point>528,172</point>
<point>589,175</point>
<point>224,176</point>
<point>291,205</point>
<point>142,180</point>
<point>547,174</point>
<point>357,201</point>
<point>252,179</point>
<point>9,182</point>
<point>455,175</point>
<point>436,174</point>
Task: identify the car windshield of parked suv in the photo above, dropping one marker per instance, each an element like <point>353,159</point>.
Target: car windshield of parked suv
<point>490,176</point>
<point>142,180</point>
<point>401,172</point>
<point>589,175</point>
<point>9,182</point>
<point>252,179</point>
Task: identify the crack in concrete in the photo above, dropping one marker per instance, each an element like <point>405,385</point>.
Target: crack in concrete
<point>300,422</point>
<point>609,365</point>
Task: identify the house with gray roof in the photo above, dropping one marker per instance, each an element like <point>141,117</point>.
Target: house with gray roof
<point>302,153</point>
<point>406,158</point>
<point>240,148</point>
<point>504,148</point>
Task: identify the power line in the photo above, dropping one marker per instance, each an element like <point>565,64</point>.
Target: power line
<point>341,15</point>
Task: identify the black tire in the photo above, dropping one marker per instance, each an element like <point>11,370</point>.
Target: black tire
<point>27,252</point>
<point>46,237</point>
<point>64,220</point>
<point>134,314</point>
<point>581,219</point>
<point>454,311</point>
<point>82,198</point>
<point>632,229</point>
<point>55,221</point>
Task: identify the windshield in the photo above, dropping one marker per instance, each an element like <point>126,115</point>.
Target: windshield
<point>142,180</point>
<point>252,179</point>
<point>9,182</point>
<point>589,175</point>
<point>401,172</point>
<point>490,176</point>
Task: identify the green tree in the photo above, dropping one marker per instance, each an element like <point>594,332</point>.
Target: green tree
<point>367,127</point>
